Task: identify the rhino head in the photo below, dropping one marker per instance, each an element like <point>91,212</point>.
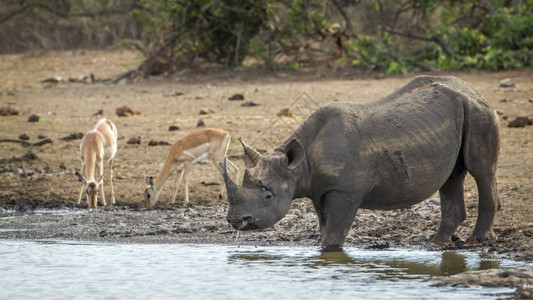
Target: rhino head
<point>265,197</point>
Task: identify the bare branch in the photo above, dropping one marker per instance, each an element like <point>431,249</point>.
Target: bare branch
<point>13,13</point>
<point>435,38</point>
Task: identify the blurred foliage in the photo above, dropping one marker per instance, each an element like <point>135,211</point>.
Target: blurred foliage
<point>217,31</point>
<point>392,37</point>
<point>27,25</point>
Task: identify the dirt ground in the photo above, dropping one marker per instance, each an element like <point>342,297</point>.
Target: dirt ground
<point>37,177</point>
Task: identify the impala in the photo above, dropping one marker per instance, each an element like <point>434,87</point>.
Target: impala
<point>98,147</point>
<point>211,143</point>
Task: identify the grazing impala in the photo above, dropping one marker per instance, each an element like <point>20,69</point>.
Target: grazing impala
<point>209,143</point>
<point>98,147</point>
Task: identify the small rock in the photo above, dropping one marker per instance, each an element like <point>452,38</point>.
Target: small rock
<point>507,83</point>
<point>505,100</point>
<point>99,112</point>
<point>126,111</point>
<point>250,103</point>
<point>24,137</point>
<point>73,136</point>
<point>55,79</point>
<point>8,111</point>
<point>519,122</point>
<point>62,166</point>
<point>285,112</point>
<point>173,128</point>
<point>236,97</point>
<point>156,143</point>
<point>29,156</point>
<point>134,141</point>
<point>206,111</point>
<point>34,118</point>
<point>176,94</point>
<point>200,123</point>
<point>40,136</point>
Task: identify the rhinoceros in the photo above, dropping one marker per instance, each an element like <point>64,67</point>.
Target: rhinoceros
<point>386,154</point>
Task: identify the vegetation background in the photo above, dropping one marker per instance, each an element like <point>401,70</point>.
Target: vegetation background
<point>392,37</point>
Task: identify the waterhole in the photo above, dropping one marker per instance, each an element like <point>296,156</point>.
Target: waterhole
<point>81,270</point>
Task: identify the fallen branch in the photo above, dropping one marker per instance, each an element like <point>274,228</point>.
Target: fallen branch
<point>27,144</point>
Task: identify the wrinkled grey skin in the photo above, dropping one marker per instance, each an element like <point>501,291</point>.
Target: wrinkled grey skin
<point>387,154</point>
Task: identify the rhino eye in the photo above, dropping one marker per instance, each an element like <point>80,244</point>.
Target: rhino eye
<point>267,198</point>
<point>266,187</point>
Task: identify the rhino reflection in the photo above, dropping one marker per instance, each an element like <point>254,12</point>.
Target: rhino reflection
<point>451,263</point>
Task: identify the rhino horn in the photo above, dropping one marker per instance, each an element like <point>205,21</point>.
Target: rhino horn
<point>248,180</point>
<point>251,156</point>
<point>231,188</point>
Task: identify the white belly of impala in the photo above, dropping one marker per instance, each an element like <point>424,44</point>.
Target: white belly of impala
<point>197,153</point>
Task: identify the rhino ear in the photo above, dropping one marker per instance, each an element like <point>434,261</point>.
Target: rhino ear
<point>295,152</point>
<point>251,156</point>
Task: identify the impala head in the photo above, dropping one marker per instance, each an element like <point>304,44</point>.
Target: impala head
<point>265,197</point>
<point>150,193</point>
<point>92,187</point>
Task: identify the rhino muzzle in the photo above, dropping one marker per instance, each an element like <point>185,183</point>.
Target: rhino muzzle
<point>243,223</point>
<point>238,220</point>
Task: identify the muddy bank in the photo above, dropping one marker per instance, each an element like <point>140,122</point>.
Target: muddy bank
<point>206,224</point>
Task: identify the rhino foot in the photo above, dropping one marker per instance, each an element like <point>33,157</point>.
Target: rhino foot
<point>476,239</point>
<point>442,242</point>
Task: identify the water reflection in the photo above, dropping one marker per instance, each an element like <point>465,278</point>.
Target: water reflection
<point>51,270</point>
<point>389,263</point>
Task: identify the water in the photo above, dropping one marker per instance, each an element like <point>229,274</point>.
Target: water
<point>74,270</point>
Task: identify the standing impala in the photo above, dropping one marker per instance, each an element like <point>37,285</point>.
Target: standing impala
<point>209,143</point>
<point>98,147</point>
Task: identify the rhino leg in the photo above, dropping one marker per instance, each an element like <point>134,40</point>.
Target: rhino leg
<point>481,157</point>
<point>489,204</point>
<point>321,217</point>
<point>338,213</point>
<point>453,211</point>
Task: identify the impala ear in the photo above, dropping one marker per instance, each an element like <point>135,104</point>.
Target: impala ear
<point>295,152</point>
<point>80,178</point>
<point>150,180</point>
<point>100,180</point>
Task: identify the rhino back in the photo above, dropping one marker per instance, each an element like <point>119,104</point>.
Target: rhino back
<point>395,151</point>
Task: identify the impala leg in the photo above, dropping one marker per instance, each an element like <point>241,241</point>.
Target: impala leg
<point>102,194</point>
<point>82,185</point>
<point>220,179</point>
<point>81,194</point>
<point>111,180</point>
<point>233,168</point>
<point>186,170</point>
<point>177,184</point>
